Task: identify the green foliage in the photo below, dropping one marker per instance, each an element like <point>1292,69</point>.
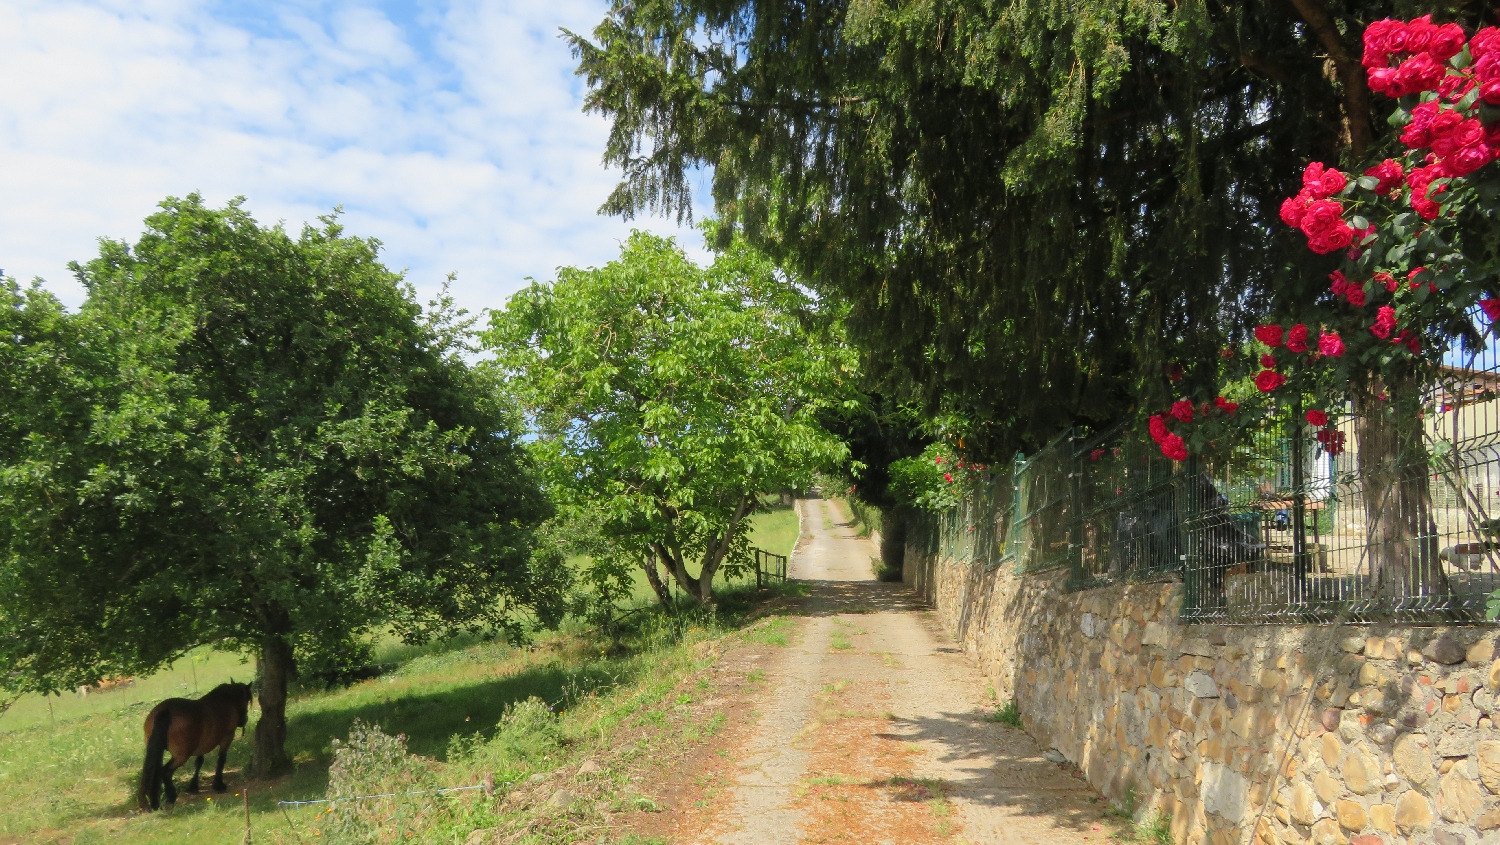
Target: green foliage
<point>665,397</point>
<point>252,440</point>
<point>1009,715</point>
<point>934,480</point>
<point>1030,210</point>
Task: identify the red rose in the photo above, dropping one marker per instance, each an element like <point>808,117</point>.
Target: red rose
<point>1491,308</point>
<point>1268,380</point>
<point>1467,160</point>
<point>1415,75</point>
<point>1340,283</point>
<point>1293,207</point>
<point>1418,133</point>
<point>1226,406</point>
<point>1389,173</point>
<point>1419,34</point>
<point>1384,278</point>
<point>1484,42</point>
<point>1331,241</point>
<point>1174,448</point>
<point>1447,42</point>
<point>1330,344</point>
<point>1317,418</point>
<point>1296,339</point>
<point>1096,454</point>
<point>1444,122</point>
<point>1455,86</point>
<point>1268,361</point>
<point>1380,78</point>
<point>1226,353</point>
<point>1355,294</point>
<point>1487,69</point>
<point>1385,322</point>
<point>1321,182</point>
<point>1382,38</point>
<point>1321,216</point>
<point>1182,409</point>
<point>1270,335</point>
<point>1158,427</point>
<point>939,462</point>
<point>1490,92</point>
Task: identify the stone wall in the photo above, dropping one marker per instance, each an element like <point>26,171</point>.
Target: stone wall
<point>1362,734</point>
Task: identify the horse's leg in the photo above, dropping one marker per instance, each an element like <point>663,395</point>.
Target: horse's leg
<point>219,768</point>
<point>167,772</point>
<point>197,769</point>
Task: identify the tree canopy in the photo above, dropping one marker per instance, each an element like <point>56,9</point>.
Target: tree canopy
<point>666,397</point>
<point>253,440</point>
<point>1035,212</point>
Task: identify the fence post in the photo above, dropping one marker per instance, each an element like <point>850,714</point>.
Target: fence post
<point>1299,507</point>
<point>757,570</point>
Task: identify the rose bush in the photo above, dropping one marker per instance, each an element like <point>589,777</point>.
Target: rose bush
<point>1428,217</point>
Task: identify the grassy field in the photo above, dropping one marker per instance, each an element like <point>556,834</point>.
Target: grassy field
<point>70,763</point>
<point>774,531</point>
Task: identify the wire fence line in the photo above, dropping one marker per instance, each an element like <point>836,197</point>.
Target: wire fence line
<point>1288,527</point>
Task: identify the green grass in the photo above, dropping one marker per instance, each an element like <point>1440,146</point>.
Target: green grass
<point>1009,715</point>
<point>71,775</point>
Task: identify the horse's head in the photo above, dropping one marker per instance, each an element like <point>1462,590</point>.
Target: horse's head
<point>241,696</point>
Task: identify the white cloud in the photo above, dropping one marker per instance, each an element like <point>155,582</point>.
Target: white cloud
<point>453,134</point>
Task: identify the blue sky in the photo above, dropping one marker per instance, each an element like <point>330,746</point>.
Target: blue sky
<point>452,131</point>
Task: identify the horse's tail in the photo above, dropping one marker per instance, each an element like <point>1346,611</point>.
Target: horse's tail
<point>155,744</point>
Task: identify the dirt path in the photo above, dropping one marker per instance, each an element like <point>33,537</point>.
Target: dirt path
<point>870,727</point>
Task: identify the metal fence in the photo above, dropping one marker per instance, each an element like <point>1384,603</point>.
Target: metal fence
<point>769,567</point>
<point>1284,528</point>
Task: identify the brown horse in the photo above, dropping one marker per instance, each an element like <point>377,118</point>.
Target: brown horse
<point>190,728</point>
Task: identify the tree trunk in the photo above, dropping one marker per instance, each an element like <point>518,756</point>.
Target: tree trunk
<point>270,758</point>
<point>1394,474</point>
<point>653,577</point>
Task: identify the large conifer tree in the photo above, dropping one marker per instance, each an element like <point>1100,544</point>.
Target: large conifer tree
<point>1035,210</point>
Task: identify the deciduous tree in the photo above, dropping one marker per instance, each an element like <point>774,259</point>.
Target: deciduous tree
<point>255,441</point>
<point>666,397</point>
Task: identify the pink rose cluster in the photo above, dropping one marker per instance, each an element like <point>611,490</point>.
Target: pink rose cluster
<point>1297,341</point>
<point>1404,58</point>
<point>1315,214</point>
<point>1171,444</point>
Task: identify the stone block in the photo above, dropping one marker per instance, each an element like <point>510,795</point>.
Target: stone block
<point>1413,812</point>
<point>1494,676</point>
<point>1445,649</point>
<point>1224,792</point>
<point>1481,652</point>
<point>1383,818</point>
<point>1361,773</point>
<point>1327,832</point>
<point>1198,647</point>
<point>1353,645</point>
<point>1366,839</point>
<point>1156,634</point>
<point>1351,815</point>
<point>1331,750</point>
<point>1304,806</point>
<point>1268,679</point>
<point>1201,685</point>
<point>1457,743</point>
<point>1459,798</point>
<point>1327,787</point>
<point>1488,755</point>
<point>1413,758</point>
<point>1489,819</point>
